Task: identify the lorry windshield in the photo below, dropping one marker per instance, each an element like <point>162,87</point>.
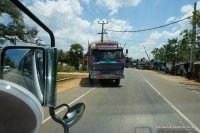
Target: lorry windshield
<point>111,55</point>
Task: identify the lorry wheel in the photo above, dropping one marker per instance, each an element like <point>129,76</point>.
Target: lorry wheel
<point>91,80</point>
<point>117,82</point>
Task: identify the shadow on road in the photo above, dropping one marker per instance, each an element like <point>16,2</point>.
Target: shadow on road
<point>98,83</point>
<point>85,83</point>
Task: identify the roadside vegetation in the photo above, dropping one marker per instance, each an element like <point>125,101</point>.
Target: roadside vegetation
<point>72,60</point>
<point>69,69</point>
<point>178,49</point>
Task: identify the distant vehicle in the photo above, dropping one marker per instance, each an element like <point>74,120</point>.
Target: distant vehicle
<point>140,65</point>
<point>106,61</point>
<point>6,69</point>
<point>134,65</point>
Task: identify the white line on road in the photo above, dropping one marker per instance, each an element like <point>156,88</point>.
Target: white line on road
<point>179,112</point>
<point>48,118</point>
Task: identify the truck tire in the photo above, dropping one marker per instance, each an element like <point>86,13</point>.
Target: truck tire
<point>91,80</point>
<point>117,82</point>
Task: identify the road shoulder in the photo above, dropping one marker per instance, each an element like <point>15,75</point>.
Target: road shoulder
<point>182,81</point>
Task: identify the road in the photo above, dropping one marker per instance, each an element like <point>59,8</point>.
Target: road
<point>144,102</point>
<point>24,80</point>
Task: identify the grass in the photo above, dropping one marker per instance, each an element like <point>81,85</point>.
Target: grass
<point>68,69</point>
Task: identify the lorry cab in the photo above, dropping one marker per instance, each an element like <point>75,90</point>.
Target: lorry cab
<point>106,61</point>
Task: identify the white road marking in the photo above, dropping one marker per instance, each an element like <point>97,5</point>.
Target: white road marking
<point>179,112</point>
<point>57,112</point>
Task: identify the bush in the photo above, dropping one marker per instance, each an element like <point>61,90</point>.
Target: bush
<point>67,69</point>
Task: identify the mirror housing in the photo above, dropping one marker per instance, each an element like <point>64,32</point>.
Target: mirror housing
<point>19,115</point>
<point>51,76</point>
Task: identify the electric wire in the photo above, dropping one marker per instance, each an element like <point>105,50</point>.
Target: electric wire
<point>148,29</point>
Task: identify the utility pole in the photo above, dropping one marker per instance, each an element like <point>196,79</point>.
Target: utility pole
<point>193,43</point>
<point>102,30</point>
<point>88,56</point>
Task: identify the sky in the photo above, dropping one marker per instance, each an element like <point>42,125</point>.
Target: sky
<point>76,21</point>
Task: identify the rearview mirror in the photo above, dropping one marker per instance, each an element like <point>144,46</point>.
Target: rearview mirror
<point>25,67</point>
<point>34,68</point>
<point>71,117</point>
<point>74,114</point>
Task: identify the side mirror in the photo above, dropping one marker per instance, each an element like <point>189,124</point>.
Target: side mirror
<point>33,68</point>
<point>74,114</point>
<point>126,51</point>
<point>71,117</point>
<point>25,66</point>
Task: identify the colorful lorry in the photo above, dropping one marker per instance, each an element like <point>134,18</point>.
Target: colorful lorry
<point>106,61</point>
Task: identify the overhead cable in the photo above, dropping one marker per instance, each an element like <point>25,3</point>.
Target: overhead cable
<point>148,29</point>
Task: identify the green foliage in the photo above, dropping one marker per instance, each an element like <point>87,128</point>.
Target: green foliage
<point>179,50</point>
<point>63,57</point>
<point>75,55</point>
<point>67,69</point>
<point>71,57</point>
<point>16,27</point>
<point>128,59</point>
<point>172,51</point>
<point>8,62</point>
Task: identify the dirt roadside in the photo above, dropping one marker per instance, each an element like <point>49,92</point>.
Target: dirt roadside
<point>189,84</point>
<point>72,83</point>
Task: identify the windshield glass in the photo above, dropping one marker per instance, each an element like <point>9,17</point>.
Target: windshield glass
<point>150,85</point>
<point>111,55</point>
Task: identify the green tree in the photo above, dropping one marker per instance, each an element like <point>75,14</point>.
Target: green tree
<point>196,20</point>
<point>16,26</point>
<point>66,57</point>
<point>168,52</point>
<point>184,48</point>
<point>8,62</point>
<point>155,53</point>
<point>76,54</point>
<point>61,57</point>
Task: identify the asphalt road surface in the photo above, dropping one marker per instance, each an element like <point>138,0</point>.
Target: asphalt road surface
<point>143,103</point>
<point>24,80</point>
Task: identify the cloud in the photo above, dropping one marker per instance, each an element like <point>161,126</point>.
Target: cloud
<point>170,19</point>
<point>155,40</point>
<point>86,1</point>
<point>114,5</point>
<point>118,24</point>
<point>186,8</point>
<point>69,27</point>
<point>187,11</point>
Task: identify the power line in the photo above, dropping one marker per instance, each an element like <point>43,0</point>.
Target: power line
<point>90,12</point>
<point>101,12</point>
<point>54,13</point>
<point>107,37</point>
<point>157,27</point>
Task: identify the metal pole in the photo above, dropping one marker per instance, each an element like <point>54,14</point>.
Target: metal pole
<point>102,29</point>
<point>193,37</point>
